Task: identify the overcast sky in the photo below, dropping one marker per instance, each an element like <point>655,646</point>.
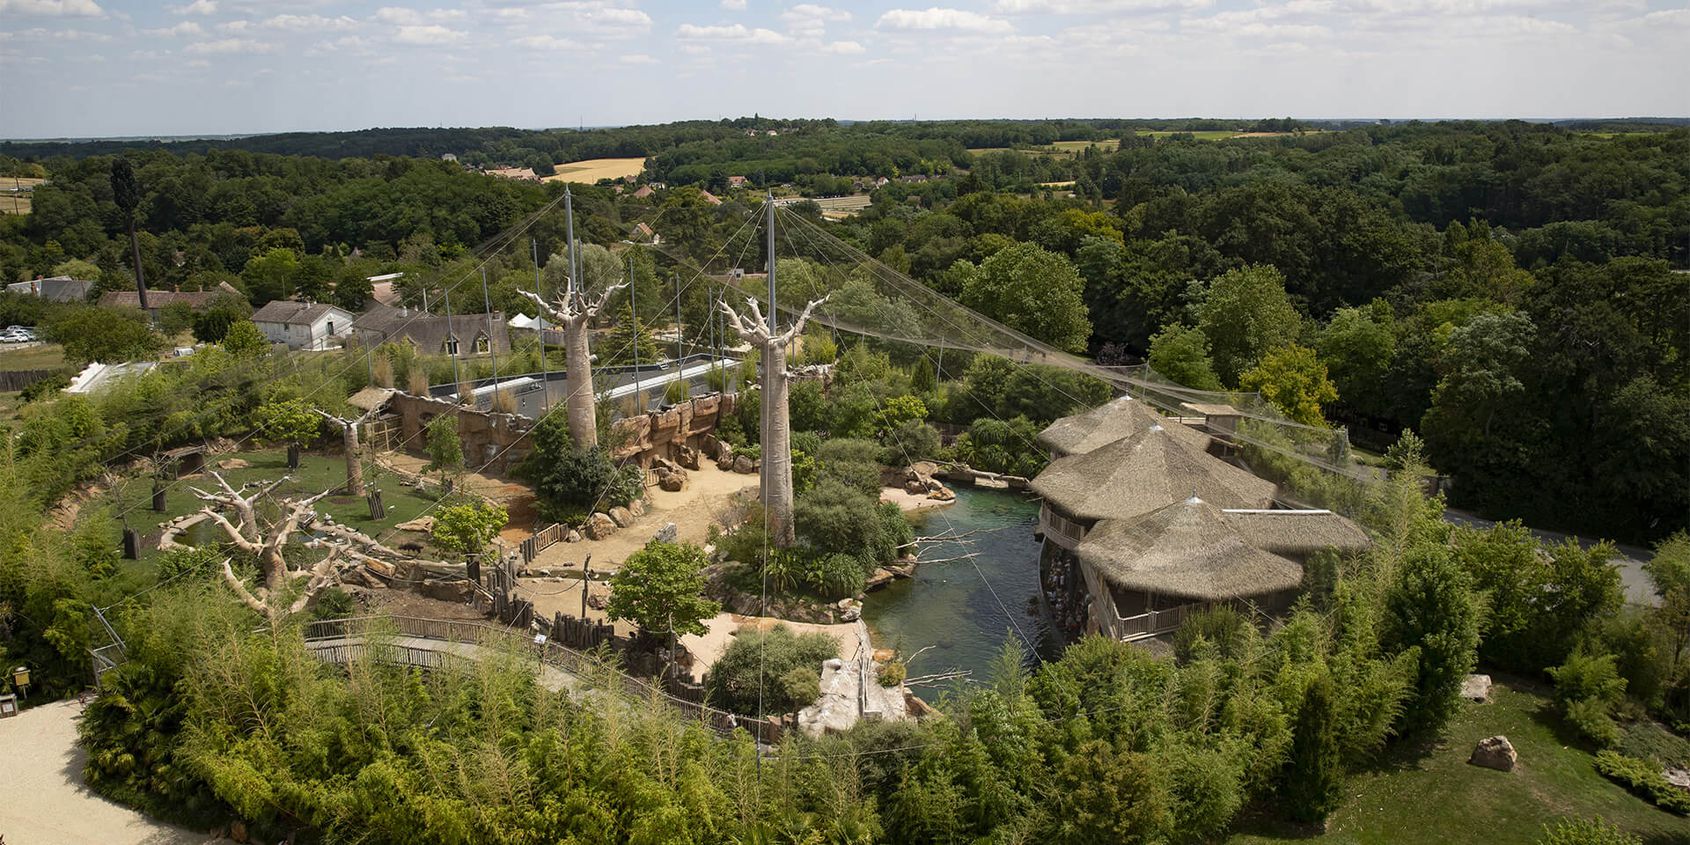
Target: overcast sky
<point>113,67</point>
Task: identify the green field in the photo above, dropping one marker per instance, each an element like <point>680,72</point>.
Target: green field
<point>44,356</point>
<point>317,472</point>
<point>1436,797</point>
<point>1201,135</point>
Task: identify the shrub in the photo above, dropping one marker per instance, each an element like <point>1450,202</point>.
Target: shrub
<point>835,576</point>
<point>1585,832</point>
<point>908,441</point>
<point>1586,689</point>
<point>855,463</point>
<point>1430,607</point>
<point>1221,627</point>
<point>1314,774</point>
<point>893,673</point>
<point>1643,779</point>
<point>771,661</point>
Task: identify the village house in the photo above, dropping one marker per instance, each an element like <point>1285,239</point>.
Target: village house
<point>198,300</point>
<point>435,334</point>
<point>303,325</point>
<point>736,181</point>
<point>54,289</point>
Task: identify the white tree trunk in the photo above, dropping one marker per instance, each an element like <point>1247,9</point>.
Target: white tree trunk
<point>354,463</point>
<point>777,448</point>
<point>578,385</point>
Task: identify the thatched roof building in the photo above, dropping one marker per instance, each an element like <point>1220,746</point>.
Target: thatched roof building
<point>1187,550</point>
<point>1297,534</point>
<point>1108,423</point>
<point>1142,472</point>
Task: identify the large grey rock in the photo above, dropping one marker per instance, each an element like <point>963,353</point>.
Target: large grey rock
<point>686,457</point>
<point>666,534</point>
<point>600,526</point>
<point>673,482</point>
<point>1495,752</point>
<point>637,507</point>
<point>622,517</point>
<point>1476,688</point>
<point>744,465</point>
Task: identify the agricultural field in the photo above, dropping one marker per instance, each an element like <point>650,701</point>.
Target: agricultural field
<point>33,356</point>
<point>592,170</point>
<point>1420,795</point>
<point>14,193</point>
<point>11,203</point>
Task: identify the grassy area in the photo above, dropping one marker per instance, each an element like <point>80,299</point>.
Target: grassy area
<point>1202,135</point>
<point>316,473</point>
<point>592,170</point>
<point>1436,797</point>
<point>41,356</point>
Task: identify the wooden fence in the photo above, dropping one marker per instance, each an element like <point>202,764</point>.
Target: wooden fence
<point>14,380</point>
<point>558,656</point>
<point>541,540</point>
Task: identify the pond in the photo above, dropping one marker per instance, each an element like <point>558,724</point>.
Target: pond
<point>948,608</point>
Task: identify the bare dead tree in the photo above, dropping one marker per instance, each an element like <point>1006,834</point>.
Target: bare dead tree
<point>266,546</point>
<point>349,443</point>
<point>777,422</point>
<point>572,312</point>
<point>245,507</point>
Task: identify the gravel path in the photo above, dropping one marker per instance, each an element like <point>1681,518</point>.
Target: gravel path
<point>43,800</point>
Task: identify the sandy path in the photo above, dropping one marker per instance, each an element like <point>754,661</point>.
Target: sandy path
<point>44,799</point>
<point>710,495</point>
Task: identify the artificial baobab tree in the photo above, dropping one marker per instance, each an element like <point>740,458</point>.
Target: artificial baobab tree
<point>349,443</point>
<point>273,597</point>
<point>776,422</point>
<point>572,312</point>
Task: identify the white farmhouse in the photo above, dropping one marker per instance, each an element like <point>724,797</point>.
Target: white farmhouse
<point>302,325</point>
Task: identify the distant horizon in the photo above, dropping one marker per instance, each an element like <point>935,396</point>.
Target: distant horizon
<point>229,136</point>
<point>141,68</point>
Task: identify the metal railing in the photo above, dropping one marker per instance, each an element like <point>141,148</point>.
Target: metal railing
<point>568,660</point>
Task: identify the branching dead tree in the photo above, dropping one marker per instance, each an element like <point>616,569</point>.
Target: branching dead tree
<point>572,312</point>
<point>349,442</point>
<point>777,422</point>
<point>245,507</point>
<point>267,546</point>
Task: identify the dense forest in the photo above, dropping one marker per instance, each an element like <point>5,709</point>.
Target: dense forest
<point>1510,291</point>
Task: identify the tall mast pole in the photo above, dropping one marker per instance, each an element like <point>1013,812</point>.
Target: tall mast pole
<point>675,278</point>
<point>487,305</point>
<point>545,377</point>
<point>569,232</point>
<point>634,317</point>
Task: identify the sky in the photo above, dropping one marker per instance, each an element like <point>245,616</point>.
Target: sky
<point>94,68</point>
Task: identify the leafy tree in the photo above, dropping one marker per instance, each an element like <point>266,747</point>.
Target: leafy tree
<point>1033,291</point>
<point>570,481</point>
<point>1294,380</point>
<point>468,527</point>
<point>764,671</point>
<point>1430,607</point>
<point>1357,347</point>
<point>107,335</point>
<point>1314,774</point>
<point>1246,314</point>
<point>834,518</point>
<point>289,421</point>
<point>897,411</point>
<point>1181,354</point>
<point>444,447</point>
<point>213,322</point>
<point>352,290</point>
<point>271,275</point>
<point>126,194</point>
<point>244,339</point>
<point>1104,795</point>
<point>659,588</point>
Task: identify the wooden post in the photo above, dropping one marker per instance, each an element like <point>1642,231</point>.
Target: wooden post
<point>293,456</point>
<point>377,509</point>
<point>131,544</point>
<point>158,495</point>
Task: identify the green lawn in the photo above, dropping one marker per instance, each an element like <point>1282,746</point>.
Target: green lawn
<point>316,473</point>
<point>1201,135</point>
<point>46,356</point>
<point>1437,797</point>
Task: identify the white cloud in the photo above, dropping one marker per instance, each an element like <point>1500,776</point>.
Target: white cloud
<point>637,59</point>
<point>844,48</point>
<point>235,27</point>
<point>314,23</point>
<point>735,33</point>
<point>41,34</point>
<point>734,5</point>
<point>183,28</point>
<point>610,19</point>
<point>936,18</point>
<point>53,8</point>
<point>417,17</point>
<point>198,7</point>
<point>546,42</point>
<point>811,19</point>
<point>1088,7</point>
<point>227,46</point>
<point>426,35</point>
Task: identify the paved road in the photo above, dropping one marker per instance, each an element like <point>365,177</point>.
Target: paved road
<point>42,797</point>
<point>1630,561</point>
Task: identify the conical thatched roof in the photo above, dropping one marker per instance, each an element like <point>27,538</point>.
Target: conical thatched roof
<point>1142,472</point>
<point>1297,534</point>
<point>1187,549</point>
<point>1110,422</point>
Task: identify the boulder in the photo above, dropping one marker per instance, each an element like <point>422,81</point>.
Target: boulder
<point>622,517</point>
<point>454,590</point>
<point>686,457</point>
<point>600,526</point>
<point>636,507</point>
<point>572,537</point>
<point>1476,688</point>
<point>1495,752</point>
<point>424,524</point>
<point>666,534</point>
<point>663,465</point>
<point>941,494</point>
<point>673,482</point>
<point>915,486</point>
<point>744,465</point>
